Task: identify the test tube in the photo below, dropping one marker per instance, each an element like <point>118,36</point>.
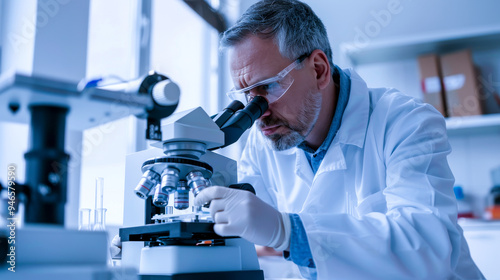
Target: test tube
<point>99,192</point>
<point>99,201</point>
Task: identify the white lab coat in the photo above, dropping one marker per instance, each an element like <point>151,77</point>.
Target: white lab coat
<point>381,205</point>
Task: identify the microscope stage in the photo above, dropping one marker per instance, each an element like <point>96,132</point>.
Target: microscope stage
<point>176,230</point>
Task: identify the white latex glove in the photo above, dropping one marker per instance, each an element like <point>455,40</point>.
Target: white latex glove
<point>241,213</point>
<point>116,247</point>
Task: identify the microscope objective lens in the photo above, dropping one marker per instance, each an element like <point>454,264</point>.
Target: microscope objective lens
<point>197,182</point>
<point>160,198</point>
<point>181,197</point>
<point>169,179</point>
<point>147,183</point>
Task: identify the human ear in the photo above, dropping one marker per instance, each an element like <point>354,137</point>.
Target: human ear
<point>321,68</point>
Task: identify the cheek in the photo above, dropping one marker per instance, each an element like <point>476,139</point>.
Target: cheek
<point>286,111</point>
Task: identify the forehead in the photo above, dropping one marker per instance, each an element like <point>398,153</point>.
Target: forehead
<point>255,59</point>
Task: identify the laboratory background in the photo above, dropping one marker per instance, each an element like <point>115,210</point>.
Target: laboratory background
<point>438,51</point>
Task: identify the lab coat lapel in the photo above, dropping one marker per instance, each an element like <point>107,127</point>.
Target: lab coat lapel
<point>332,174</point>
<point>354,124</point>
<point>353,128</point>
<point>302,167</point>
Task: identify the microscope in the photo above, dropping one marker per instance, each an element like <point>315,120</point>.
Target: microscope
<point>176,241</point>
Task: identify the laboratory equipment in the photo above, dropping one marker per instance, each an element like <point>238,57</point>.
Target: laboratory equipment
<point>99,193</point>
<point>100,219</point>
<point>181,200</point>
<point>84,221</point>
<point>45,103</point>
<point>463,205</point>
<point>493,204</point>
<point>183,245</point>
<point>50,105</point>
<point>493,198</point>
<point>99,210</point>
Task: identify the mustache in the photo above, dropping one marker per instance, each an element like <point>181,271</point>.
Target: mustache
<point>271,121</point>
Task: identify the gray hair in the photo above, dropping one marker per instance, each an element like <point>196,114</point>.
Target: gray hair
<point>293,25</point>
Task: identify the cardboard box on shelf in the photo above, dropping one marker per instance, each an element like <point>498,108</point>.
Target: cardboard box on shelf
<point>460,83</point>
<point>431,82</point>
<point>488,89</point>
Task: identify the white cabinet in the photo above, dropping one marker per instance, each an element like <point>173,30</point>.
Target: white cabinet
<point>483,238</point>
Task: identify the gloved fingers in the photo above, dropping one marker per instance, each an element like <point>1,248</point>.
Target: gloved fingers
<point>115,251</point>
<point>217,206</point>
<point>211,193</point>
<point>115,248</point>
<point>116,241</point>
<point>221,218</point>
<point>227,230</point>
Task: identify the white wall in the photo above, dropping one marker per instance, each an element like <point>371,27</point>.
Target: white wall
<point>61,39</point>
<point>113,39</point>
<point>184,48</point>
<point>18,35</point>
<point>347,19</point>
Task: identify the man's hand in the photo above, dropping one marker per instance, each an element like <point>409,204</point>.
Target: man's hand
<point>241,213</point>
<point>116,247</point>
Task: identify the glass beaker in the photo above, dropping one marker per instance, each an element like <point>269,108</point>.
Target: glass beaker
<point>100,219</point>
<point>84,219</point>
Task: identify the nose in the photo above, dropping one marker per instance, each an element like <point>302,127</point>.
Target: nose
<point>267,112</point>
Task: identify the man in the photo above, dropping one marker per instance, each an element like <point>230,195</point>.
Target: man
<point>352,182</point>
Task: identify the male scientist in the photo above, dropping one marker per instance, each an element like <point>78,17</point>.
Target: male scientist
<point>351,182</point>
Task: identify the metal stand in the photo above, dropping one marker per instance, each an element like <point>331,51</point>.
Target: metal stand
<point>46,165</point>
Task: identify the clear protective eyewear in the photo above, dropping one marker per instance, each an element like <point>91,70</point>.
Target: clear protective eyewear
<point>272,89</point>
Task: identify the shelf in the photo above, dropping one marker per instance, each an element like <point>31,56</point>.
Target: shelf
<point>473,124</point>
<point>413,46</point>
<point>479,224</point>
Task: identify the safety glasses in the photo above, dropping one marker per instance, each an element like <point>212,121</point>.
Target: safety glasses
<point>272,89</point>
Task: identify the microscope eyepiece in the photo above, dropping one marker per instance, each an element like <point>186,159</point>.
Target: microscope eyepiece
<point>243,120</point>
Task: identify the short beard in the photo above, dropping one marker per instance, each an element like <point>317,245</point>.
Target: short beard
<point>306,119</point>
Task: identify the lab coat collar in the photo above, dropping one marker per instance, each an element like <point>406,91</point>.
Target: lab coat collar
<point>355,119</point>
